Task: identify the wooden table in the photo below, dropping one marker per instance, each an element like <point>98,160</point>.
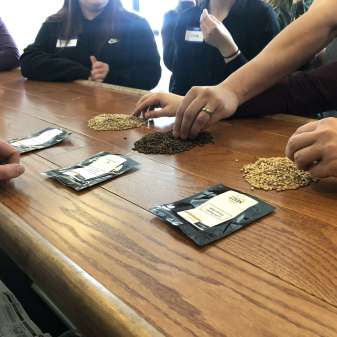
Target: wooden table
<point>116,270</point>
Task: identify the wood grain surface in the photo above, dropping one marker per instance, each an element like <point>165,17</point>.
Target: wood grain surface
<point>277,277</point>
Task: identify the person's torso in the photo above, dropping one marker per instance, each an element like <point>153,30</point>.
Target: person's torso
<point>196,62</point>
<point>113,49</point>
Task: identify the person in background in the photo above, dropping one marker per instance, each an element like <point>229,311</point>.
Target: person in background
<point>10,166</point>
<point>289,10</point>
<point>96,40</point>
<point>217,37</point>
<point>9,54</point>
<point>168,30</point>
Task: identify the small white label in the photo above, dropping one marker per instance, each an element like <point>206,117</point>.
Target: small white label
<point>219,209</point>
<point>194,36</point>
<point>39,140</point>
<point>113,41</point>
<point>66,43</point>
<point>99,167</point>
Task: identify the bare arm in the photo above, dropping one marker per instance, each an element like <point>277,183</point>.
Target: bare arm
<point>295,45</point>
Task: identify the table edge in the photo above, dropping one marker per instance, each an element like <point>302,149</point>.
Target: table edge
<point>56,274</point>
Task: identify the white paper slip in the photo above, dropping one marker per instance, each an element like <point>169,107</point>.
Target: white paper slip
<point>41,139</point>
<point>194,36</point>
<point>219,209</point>
<point>99,167</point>
<point>66,43</point>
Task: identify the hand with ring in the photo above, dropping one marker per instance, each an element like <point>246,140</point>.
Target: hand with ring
<point>203,107</point>
<point>208,111</point>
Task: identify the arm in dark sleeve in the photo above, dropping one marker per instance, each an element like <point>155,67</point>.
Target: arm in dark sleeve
<point>303,93</point>
<point>39,62</point>
<point>144,70</point>
<point>234,65</point>
<point>9,55</point>
<point>168,36</point>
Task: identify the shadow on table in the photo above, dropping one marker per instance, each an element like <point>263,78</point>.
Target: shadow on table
<point>328,187</point>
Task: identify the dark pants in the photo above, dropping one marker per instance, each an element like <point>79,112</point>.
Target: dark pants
<point>17,282</point>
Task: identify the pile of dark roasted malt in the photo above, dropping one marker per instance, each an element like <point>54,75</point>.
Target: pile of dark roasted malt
<point>166,143</point>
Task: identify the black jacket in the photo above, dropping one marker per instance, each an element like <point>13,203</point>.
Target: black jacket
<point>252,24</point>
<point>131,54</point>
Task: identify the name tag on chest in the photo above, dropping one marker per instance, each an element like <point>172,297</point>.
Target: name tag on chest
<point>194,35</point>
<point>112,41</point>
<point>66,43</point>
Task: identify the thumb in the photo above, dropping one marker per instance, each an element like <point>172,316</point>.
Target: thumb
<point>93,60</point>
<point>10,171</point>
<point>206,17</point>
<point>203,14</point>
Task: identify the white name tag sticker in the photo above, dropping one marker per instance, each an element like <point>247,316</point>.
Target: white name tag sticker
<point>65,43</point>
<point>194,36</point>
<point>113,41</point>
<point>219,209</point>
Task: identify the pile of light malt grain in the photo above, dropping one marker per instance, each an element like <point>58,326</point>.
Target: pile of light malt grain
<point>115,122</point>
<point>279,174</point>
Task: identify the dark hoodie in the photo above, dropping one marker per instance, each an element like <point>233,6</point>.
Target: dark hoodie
<point>131,53</point>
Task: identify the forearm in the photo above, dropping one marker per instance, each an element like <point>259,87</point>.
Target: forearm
<point>141,77</point>
<point>168,55</point>
<point>285,53</point>
<point>40,66</point>
<point>303,93</point>
<point>283,98</point>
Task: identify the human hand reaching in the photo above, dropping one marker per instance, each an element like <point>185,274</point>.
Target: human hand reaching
<point>203,107</point>
<point>156,105</point>
<point>313,147</point>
